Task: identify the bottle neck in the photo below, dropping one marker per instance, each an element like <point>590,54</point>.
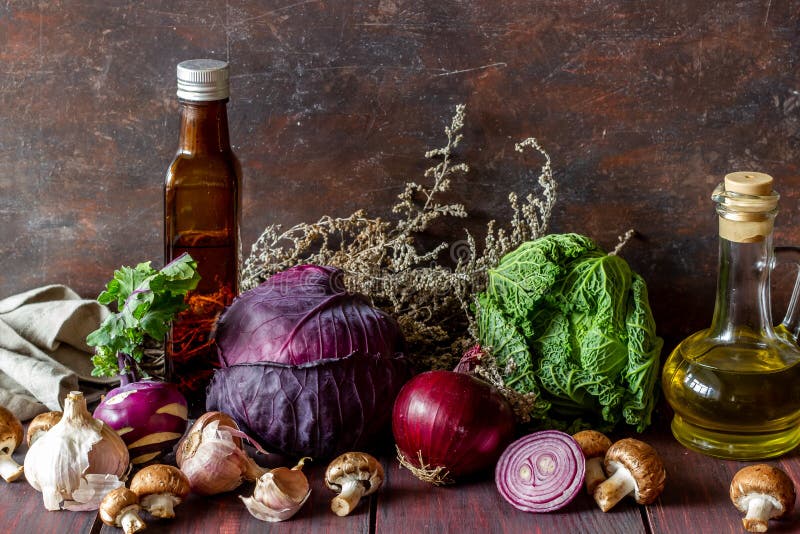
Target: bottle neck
<point>204,127</point>
<point>743,290</point>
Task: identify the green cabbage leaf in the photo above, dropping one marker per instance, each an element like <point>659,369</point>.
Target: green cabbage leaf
<point>572,325</point>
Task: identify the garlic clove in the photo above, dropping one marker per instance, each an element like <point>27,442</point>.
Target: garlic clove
<point>91,491</point>
<point>279,494</point>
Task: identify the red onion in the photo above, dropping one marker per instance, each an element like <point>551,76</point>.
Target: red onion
<point>448,425</point>
<point>149,416</point>
<point>471,359</point>
<point>541,472</point>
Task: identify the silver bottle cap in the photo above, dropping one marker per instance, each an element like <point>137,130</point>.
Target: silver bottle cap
<point>203,80</point>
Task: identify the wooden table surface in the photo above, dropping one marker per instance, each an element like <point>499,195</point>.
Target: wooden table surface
<point>695,500</point>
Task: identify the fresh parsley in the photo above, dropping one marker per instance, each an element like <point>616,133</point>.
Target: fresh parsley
<point>147,301</point>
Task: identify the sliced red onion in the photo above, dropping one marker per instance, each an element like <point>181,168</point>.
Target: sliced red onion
<point>541,472</point>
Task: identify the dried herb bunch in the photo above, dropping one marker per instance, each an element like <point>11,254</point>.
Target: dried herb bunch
<point>430,294</point>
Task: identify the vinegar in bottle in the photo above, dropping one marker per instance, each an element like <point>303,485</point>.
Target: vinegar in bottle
<point>201,217</point>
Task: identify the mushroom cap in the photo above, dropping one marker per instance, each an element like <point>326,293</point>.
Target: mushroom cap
<point>642,462</point>
<point>354,466</point>
<point>41,423</point>
<point>594,444</point>
<point>160,478</point>
<point>763,479</point>
<point>114,502</point>
<point>11,433</point>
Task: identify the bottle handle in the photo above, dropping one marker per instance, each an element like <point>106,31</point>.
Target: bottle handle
<point>791,322</point>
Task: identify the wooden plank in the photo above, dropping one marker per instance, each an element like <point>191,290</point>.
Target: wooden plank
<point>226,514</point>
<point>407,504</point>
<point>695,498</point>
<point>22,509</point>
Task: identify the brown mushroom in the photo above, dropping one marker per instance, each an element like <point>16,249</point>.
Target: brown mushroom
<point>160,488</point>
<point>634,468</point>
<point>10,438</point>
<point>41,424</point>
<point>763,492</point>
<point>594,446</point>
<point>352,475</point>
<point>120,508</point>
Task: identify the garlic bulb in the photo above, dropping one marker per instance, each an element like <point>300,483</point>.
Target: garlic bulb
<point>279,494</point>
<point>212,458</point>
<point>63,460</point>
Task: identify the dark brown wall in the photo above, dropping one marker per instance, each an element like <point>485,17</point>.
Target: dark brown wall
<point>643,106</point>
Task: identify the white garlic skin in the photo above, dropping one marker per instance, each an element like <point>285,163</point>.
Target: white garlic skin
<point>76,446</point>
<point>279,494</point>
<point>212,461</point>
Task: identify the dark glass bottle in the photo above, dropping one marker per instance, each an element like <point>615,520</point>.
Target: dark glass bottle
<point>201,217</point>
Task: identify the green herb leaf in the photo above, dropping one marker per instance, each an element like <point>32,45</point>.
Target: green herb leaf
<point>125,281</point>
<point>147,302</point>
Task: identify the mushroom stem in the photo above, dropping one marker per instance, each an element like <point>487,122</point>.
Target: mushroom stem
<point>594,474</point>
<point>129,520</point>
<point>160,504</point>
<point>9,469</point>
<point>759,509</point>
<point>347,500</point>
<point>610,492</point>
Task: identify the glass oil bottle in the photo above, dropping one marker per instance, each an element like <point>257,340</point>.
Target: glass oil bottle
<point>201,217</point>
<point>735,387</point>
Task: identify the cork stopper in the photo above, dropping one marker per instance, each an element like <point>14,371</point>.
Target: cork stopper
<point>749,183</point>
<point>746,205</point>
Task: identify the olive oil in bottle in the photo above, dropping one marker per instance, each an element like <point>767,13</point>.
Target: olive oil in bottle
<point>735,387</point>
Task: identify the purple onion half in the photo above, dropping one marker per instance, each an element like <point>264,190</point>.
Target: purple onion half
<point>149,416</point>
<point>541,472</point>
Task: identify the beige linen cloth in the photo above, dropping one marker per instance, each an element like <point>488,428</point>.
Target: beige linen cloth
<point>43,351</point>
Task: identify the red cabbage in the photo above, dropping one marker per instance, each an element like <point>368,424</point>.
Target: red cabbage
<point>301,315</point>
<point>307,368</point>
<point>319,409</point>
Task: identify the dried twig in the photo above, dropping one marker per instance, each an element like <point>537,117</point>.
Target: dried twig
<point>431,300</point>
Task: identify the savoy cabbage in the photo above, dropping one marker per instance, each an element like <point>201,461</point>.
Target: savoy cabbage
<point>573,326</point>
